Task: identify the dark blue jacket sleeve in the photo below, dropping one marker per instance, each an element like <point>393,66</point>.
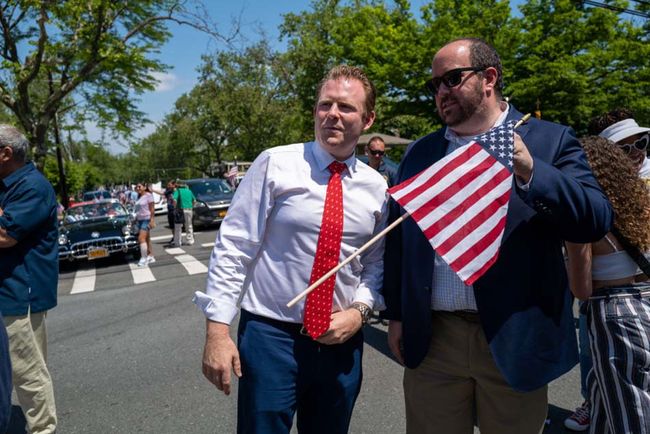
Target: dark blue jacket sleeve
<point>564,191</point>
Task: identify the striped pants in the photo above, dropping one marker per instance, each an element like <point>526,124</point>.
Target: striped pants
<point>619,382</point>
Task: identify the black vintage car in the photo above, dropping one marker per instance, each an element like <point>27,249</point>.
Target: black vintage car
<point>93,230</point>
<point>213,197</point>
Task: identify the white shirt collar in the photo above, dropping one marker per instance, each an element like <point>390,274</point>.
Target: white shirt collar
<point>324,158</point>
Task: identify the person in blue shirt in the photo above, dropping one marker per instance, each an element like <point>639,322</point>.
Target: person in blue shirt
<point>375,150</point>
<point>28,276</point>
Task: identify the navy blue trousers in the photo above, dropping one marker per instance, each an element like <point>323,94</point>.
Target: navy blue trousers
<point>5,379</point>
<point>284,372</point>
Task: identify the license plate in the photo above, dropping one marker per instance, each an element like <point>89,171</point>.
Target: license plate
<point>97,252</point>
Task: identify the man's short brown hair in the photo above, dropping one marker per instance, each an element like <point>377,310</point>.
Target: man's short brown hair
<point>351,72</point>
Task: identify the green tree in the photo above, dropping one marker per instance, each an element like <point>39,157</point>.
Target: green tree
<point>579,62</point>
<point>236,110</point>
<point>90,54</point>
<point>392,47</point>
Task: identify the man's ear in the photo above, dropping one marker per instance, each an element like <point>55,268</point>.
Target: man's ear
<point>6,154</point>
<point>369,120</point>
<point>491,77</point>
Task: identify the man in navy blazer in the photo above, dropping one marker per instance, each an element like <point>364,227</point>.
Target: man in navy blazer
<point>486,352</point>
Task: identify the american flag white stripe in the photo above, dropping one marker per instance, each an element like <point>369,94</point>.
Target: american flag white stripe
<point>461,203</point>
<point>477,194</point>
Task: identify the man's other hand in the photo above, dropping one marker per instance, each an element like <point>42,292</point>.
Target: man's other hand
<point>220,356</point>
<point>343,326</point>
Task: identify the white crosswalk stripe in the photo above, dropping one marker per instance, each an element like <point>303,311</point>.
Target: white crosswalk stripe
<point>141,274</point>
<point>92,276</point>
<point>84,280</point>
<point>191,264</point>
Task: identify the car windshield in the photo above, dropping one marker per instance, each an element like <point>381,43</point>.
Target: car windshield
<point>211,187</point>
<point>96,195</point>
<point>94,210</point>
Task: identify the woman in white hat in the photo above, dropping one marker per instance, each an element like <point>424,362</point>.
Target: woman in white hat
<point>620,127</point>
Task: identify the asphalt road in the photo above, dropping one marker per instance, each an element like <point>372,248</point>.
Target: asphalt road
<point>125,355</point>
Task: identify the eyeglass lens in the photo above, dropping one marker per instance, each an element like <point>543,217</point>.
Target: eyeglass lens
<point>373,152</point>
<point>640,144</point>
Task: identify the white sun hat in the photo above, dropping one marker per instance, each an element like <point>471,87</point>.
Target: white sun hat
<point>622,130</point>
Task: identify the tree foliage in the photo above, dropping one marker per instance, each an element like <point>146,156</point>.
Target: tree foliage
<point>90,55</point>
<point>571,60</point>
<point>235,111</point>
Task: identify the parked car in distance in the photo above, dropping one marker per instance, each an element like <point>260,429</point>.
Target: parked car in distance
<point>213,197</point>
<point>89,196</point>
<point>97,229</point>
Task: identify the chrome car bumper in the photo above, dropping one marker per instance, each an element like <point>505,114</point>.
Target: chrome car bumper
<point>111,244</point>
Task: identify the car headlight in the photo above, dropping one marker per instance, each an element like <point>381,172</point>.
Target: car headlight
<point>126,230</point>
<point>63,239</point>
<point>200,204</point>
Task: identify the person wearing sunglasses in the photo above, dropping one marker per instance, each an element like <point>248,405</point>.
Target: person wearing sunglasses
<point>486,352</point>
<point>616,297</point>
<point>617,125</point>
<point>620,127</point>
<point>375,151</point>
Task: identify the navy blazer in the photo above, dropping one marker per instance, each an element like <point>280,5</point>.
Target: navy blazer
<point>523,299</point>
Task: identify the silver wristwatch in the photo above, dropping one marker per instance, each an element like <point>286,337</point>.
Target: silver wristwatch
<point>364,310</point>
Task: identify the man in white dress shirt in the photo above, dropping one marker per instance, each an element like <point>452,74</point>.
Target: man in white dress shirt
<point>263,258</point>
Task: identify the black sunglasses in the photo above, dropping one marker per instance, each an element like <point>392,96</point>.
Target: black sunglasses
<point>640,144</point>
<point>376,152</point>
<point>451,78</point>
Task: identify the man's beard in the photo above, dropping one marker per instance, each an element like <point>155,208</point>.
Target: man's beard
<point>465,108</point>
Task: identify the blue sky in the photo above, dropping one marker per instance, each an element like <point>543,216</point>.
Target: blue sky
<point>183,52</point>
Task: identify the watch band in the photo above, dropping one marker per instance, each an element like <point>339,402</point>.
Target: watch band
<point>364,310</point>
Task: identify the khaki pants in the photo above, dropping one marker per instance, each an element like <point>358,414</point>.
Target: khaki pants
<point>189,230</point>
<point>458,383</point>
<point>31,379</point>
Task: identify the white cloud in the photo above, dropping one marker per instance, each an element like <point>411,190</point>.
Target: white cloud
<point>165,81</point>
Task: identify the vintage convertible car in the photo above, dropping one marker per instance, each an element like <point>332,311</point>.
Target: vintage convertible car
<point>93,230</point>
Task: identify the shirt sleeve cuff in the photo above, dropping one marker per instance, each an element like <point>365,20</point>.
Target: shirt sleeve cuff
<point>222,312</point>
<point>372,299</point>
<point>524,187</point>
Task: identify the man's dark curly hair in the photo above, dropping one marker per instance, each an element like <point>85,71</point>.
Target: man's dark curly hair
<point>599,123</point>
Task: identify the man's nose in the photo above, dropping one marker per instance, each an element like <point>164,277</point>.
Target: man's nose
<point>333,111</point>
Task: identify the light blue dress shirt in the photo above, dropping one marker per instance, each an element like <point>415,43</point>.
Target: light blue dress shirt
<point>265,247</point>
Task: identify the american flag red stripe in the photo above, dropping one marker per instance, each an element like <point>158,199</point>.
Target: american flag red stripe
<point>461,202</point>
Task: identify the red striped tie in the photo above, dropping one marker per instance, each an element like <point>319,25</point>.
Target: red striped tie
<point>318,307</point>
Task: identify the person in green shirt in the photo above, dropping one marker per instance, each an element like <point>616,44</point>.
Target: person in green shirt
<point>184,199</point>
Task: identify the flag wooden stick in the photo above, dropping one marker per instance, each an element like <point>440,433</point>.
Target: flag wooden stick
<point>347,260</point>
<point>522,120</point>
<point>363,248</point>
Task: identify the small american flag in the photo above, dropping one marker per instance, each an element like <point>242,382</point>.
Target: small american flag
<point>461,202</point>
<point>232,173</point>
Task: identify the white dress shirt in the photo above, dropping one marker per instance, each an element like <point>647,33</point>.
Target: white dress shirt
<point>265,247</point>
